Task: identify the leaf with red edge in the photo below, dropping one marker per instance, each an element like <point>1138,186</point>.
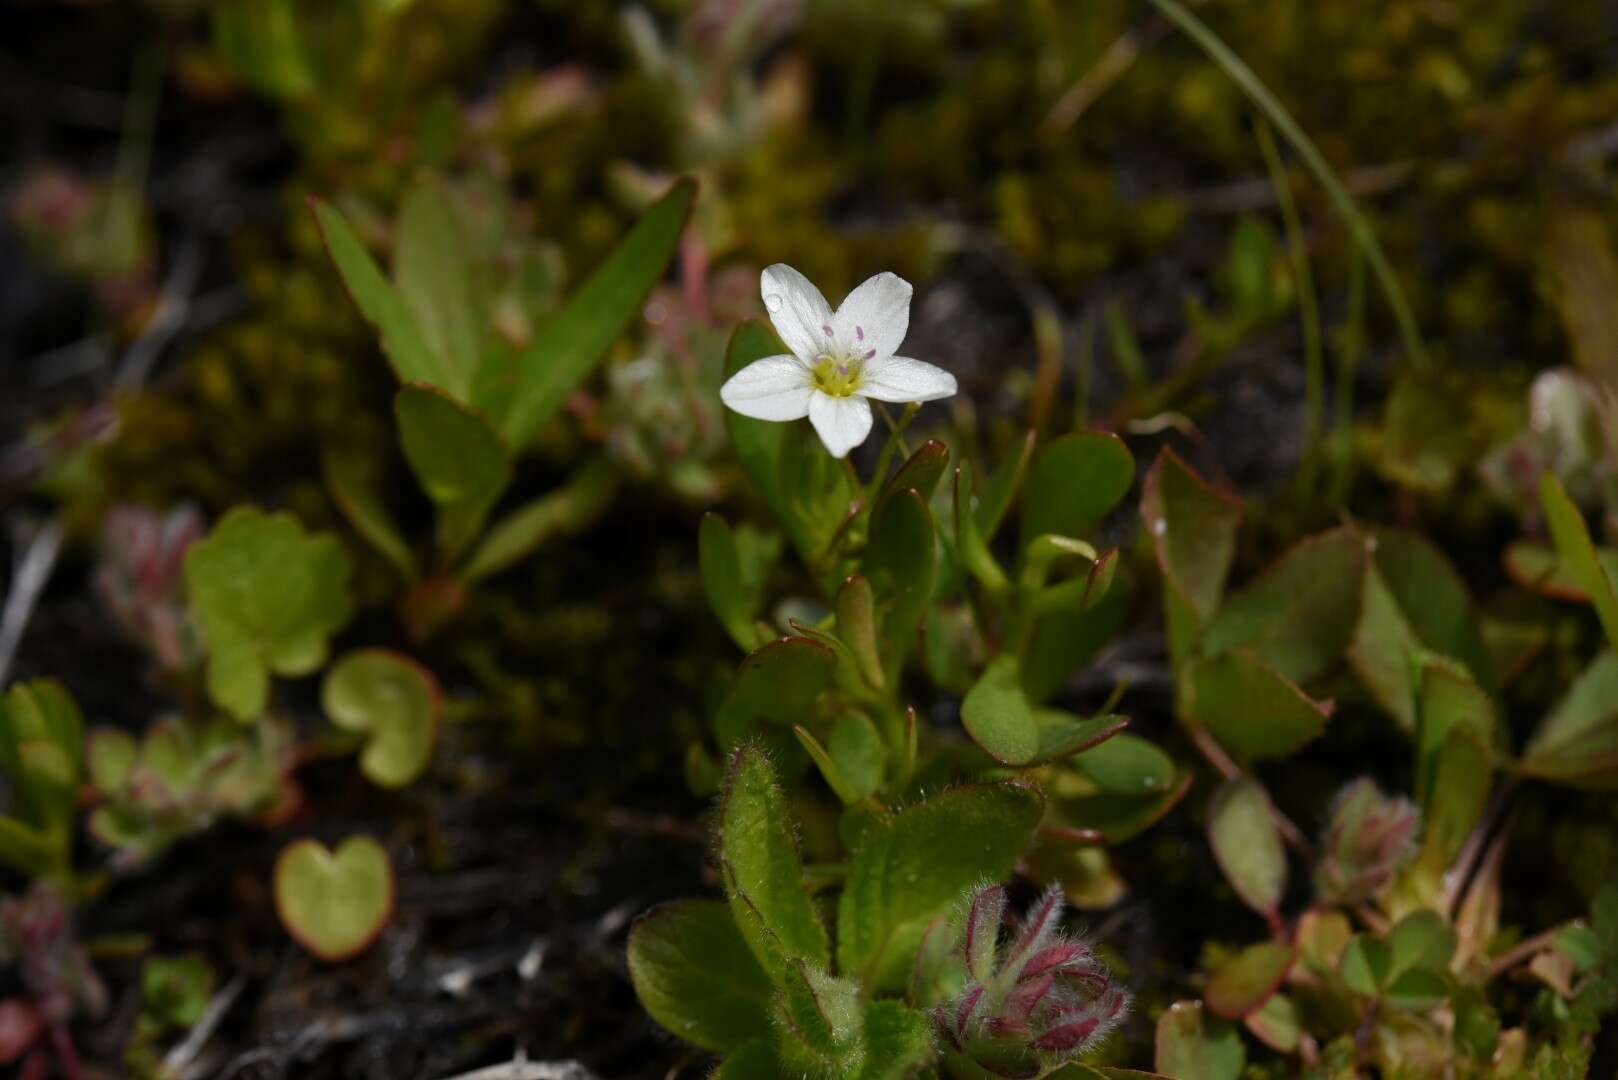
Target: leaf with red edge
<point>1193,529</point>
<point>1247,980</point>
<point>1253,710</point>
<point>1247,845</point>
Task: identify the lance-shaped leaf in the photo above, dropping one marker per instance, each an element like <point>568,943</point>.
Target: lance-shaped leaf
<point>1299,614</point>
<point>438,281</point>
<point>352,482</point>
<point>1074,482</point>
<point>569,345</point>
<point>1577,743</point>
<point>1247,846</point>
<point>1245,982</point>
<point>920,472</point>
<point>268,596</point>
<point>763,877</point>
<point>403,340</point>
<point>456,457</point>
<point>568,510</point>
<point>1253,710</point>
<point>695,975</point>
<point>394,702</point>
<point>334,904</point>
<point>1578,553</point>
<point>778,683</point>
<point>915,867</point>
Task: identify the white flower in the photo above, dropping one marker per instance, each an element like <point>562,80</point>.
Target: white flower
<point>840,361</point>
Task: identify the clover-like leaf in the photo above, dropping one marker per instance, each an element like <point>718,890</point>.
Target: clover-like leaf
<point>394,702</point>
<point>268,597</point>
<point>695,974</point>
<point>1247,846</point>
<point>908,870</point>
<point>334,904</point>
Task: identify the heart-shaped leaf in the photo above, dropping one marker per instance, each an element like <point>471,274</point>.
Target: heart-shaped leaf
<point>1074,482</point>
<point>1247,846</point>
<point>908,870</point>
<point>334,904</point>
<point>1245,982</point>
<point>456,457</point>
<point>1253,710</point>
<point>763,877</point>
<point>695,975</point>
<point>395,702</point>
<point>268,596</point>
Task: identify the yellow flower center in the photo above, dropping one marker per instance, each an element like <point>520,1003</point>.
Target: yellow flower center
<point>835,376</point>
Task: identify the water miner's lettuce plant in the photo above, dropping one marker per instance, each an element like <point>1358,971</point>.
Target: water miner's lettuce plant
<point>917,982</point>
<point>1416,988</point>
<point>483,366</point>
<point>900,595</point>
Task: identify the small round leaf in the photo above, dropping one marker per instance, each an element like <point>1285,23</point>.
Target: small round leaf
<point>395,702</point>
<point>334,903</point>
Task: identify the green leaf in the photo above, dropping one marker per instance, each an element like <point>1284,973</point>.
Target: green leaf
<point>1365,965</point>
<point>778,683</point>
<point>917,866</point>
<point>1074,482</point>
<point>1577,742</point>
<point>1003,487</point>
<point>568,510</point>
<point>27,849</point>
<point>898,1041</point>
<point>267,596</point>
<point>110,754</point>
<point>174,992</point>
<point>970,546</point>
<point>1114,816</point>
<point>1537,567</point>
<point>998,716</point>
<point>1463,778</point>
<point>569,345</point>
<point>901,561</point>
<point>1420,940</point>
<point>861,756</point>
<point>733,599</point>
<point>1433,599</point>
<point>1277,1024</point>
<point>1247,846</point>
<point>436,278</point>
<point>1578,553</point>
<point>456,457</point>
<point>856,626</point>
<point>1386,653</point>
<point>394,702</point>
<point>1193,530</point>
<point>756,1059</point>
<point>1245,982</point>
<point>1065,641</point>
<point>823,1024</point>
<point>759,861</point>
<point>1299,615</point>
<point>1417,991</point>
<point>334,904</point>
<point>352,483</point>
<point>402,338</point>
<point>1450,701</point>
<point>920,472</point>
<point>1062,735</point>
<point>1253,710</point>
<point>1128,765</point>
<point>1191,1046</point>
<point>259,41</point>
<point>696,976</point>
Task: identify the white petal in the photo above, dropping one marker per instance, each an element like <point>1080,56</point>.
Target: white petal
<point>774,388</point>
<point>899,378</point>
<point>800,314</point>
<point>874,317</point>
<point>841,422</point>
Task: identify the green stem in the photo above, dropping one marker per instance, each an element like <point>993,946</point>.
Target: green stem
<point>1271,107</point>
